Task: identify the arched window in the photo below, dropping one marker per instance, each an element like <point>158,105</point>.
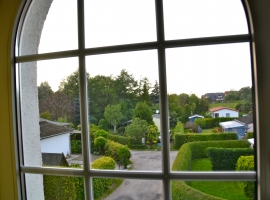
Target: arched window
<point>77,61</point>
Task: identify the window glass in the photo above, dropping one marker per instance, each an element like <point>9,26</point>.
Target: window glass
<point>195,18</point>
<point>119,22</point>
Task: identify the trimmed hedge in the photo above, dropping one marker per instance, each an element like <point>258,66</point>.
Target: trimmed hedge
<point>100,185</point>
<point>120,139</point>
<point>247,163</point>
<point>180,139</point>
<point>226,158</point>
<point>212,122</point>
<point>182,162</point>
<point>111,149</point>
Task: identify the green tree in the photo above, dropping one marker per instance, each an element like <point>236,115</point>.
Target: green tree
<point>46,115</point>
<point>145,97</point>
<point>143,111</point>
<point>127,109</point>
<point>152,134</point>
<point>100,142</point>
<point>124,154</point>
<point>113,115</point>
<point>103,124</point>
<point>137,130</point>
<point>44,91</point>
<point>154,95</point>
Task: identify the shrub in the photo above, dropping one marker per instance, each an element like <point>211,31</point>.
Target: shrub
<point>111,149</point>
<point>100,185</point>
<point>103,124</point>
<point>124,155</point>
<point>100,142</point>
<point>120,139</point>
<point>121,130</point>
<point>246,163</point>
<point>200,122</point>
<point>182,162</point>
<point>76,146</point>
<point>212,122</point>
<point>249,135</point>
<point>101,133</point>
<point>192,127</point>
<point>179,128</point>
<point>137,130</point>
<point>181,139</point>
<point>226,158</point>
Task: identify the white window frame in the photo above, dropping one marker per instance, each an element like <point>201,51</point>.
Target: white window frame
<point>165,175</point>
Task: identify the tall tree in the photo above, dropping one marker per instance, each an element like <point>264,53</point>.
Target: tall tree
<point>143,111</point>
<point>113,115</point>
<point>154,95</point>
<point>44,91</point>
<point>70,85</point>
<point>145,97</point>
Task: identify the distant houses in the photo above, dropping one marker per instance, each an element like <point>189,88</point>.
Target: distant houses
<point>213,97</point>
<point>192,118</point>
<point>221,111</point>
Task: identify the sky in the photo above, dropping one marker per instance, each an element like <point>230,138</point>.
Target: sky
<point>199,70</point>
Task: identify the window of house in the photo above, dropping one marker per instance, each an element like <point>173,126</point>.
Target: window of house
<point>227,114</point>
<point>77,60</point>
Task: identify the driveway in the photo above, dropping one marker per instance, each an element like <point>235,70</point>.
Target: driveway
<point>132,189</point>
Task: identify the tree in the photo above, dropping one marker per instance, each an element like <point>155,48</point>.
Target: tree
<point>137,130</point>
<point>127,109</point>
<point>44,91</point>
<point>145,97</point>
<point>152,133</point>
<point>154,95</point>
<point>113,115</point>
<point>143,111</point>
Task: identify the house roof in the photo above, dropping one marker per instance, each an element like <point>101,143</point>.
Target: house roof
<point>56,123</point>
<point>54,159</point>
<point>49,130</point>
<point>246,119</point>
<point>221,108</point>
<point>230,124</point>
<point>196,116</point>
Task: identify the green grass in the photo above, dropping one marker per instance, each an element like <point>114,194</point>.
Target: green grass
<point>207,130</point>
<point>228,105</point>
<point>226,190</point>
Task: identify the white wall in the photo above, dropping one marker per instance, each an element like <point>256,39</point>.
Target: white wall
<point>56,144</point>
<point>157,122</point>
<point>222,113</point>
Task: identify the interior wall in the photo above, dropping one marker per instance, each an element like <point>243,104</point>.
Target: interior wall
<point>8,184</point>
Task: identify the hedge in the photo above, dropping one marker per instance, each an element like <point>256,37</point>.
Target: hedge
<point>226,158</point>
<point>182,162</point>
<point>180,139</point>
<point>111,149</point>
<point>120,139</point>
<point>212,122</point>
<point>247,163</point>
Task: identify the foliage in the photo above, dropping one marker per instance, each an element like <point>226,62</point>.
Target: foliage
<point>154,95</point>
<point>44,91</point>
<point>152,133</point>
<point>92,120</point>
<point>244,106</point>
<point>173,118</point>
<point>127,109</point>
<point>226,158</point>
<point>136,130</point>
<point>100,142</point>
<point>212,122</point>
<point>102,133</point>
<point>182,162</point>
<point>103,124</point>
<point>145,96</point>
<point>46,115</point>
<point>121,130</point>
<point>100,185</point>
<point>249,135</point>
<point>181,139</point>
<point>113,115</point>
<point>192,127</point>
<point>124,155</point>
<point>179,128</point>
<point>76,146</point>
<point>246,163</point>
<point>111,149</point>
<point>144,112</point>
<point>120,139</point>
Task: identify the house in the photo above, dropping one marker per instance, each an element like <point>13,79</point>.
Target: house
<point>156,119</point>
<point>221,111</point>
<point>234,126</point>
<point>248,120</point>
<point>54,138</point>
<point>217,96</point>
<point>54,159</point>
<point>192,118</point>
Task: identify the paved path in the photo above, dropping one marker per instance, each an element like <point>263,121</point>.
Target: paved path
<point>132,189</point>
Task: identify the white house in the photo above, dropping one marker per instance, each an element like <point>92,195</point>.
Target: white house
<point>156,119</point>
<point>54,138</point>
<point>223,112</point>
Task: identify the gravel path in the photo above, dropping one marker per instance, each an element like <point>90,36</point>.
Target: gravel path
<point>132,189</point>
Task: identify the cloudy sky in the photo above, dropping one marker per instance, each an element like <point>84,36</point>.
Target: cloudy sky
<point>199,70</point>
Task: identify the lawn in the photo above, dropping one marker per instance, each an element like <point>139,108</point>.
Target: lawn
<point>226,190</point>
<point>228,105</point>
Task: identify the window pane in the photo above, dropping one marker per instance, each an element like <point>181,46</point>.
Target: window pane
<point>119,22</point>
<point>120,88</point>
<point>129,189</point>
<point>208,189</point>
<point>192,19</point>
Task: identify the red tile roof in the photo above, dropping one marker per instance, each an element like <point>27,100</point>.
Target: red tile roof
<point>220,108</point>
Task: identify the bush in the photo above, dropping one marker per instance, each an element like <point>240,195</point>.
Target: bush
<point>101,133</point>
<point>249,135</point>
<point>212,122</point>
<point>182,162</point>
<point>192,127</point>
<point>100,185</point>
<point>225,158</point>
<point>120,139</point>
<point>100,142</point>
<point>111,149</point>
<point>76,146</point>
<point>103,124</point>
<point>137,130</point>
<point>180,139</point>
<point>121,130</point>
<point>179,128</point>
<point>246,163</point>
<point>124,155</point>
